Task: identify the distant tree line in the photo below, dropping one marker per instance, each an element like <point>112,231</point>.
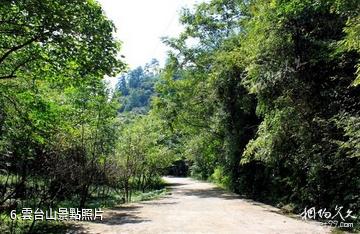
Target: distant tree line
<point>136,87</point>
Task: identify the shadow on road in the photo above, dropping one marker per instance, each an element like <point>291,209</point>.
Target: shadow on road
<point>168,184</point>
<point>118,218</point>
<point>159,203</point>
<point>125,208</point>
<point>209,193</point>
<point>220,193</point>
<point>122,215</point>
<point>215,192</point>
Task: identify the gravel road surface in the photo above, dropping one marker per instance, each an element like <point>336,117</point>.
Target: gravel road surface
<point>199,207</point>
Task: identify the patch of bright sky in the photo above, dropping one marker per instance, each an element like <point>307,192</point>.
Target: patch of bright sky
<point>140,25</point>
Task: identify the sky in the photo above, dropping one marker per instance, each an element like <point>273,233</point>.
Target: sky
<point>140,25</point>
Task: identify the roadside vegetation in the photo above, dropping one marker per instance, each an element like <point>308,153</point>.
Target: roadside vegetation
<point>62,142</point>
<point>261,97</point>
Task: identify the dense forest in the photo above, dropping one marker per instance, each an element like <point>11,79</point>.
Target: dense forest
<point>259,96</point>
<point>61,140</point>
<point>137,87</point>
<point>266,101</point>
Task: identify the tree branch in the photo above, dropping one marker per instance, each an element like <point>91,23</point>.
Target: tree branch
<point>4,56</point>
<point>7,77</point>
<point>12,74</point>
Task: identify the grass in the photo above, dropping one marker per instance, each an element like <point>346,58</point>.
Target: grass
<point>139,196</point>
<point>8,226</point>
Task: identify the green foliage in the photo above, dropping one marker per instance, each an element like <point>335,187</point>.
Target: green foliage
<point>20,226</point>
<point>51,38</point>
<point>155,194</point>
<point>265,100</point>
<point>351,42</point>
<point>220,178</point>
<point>137,88</point>
<point>258,96</point>
<point>58,121</point>
<point>303,85</point>
<point>142,154</point>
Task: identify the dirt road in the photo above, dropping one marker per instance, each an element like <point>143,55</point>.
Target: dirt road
<point>199,207</point>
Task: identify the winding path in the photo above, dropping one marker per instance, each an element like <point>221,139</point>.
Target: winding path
<point>199,207</point>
